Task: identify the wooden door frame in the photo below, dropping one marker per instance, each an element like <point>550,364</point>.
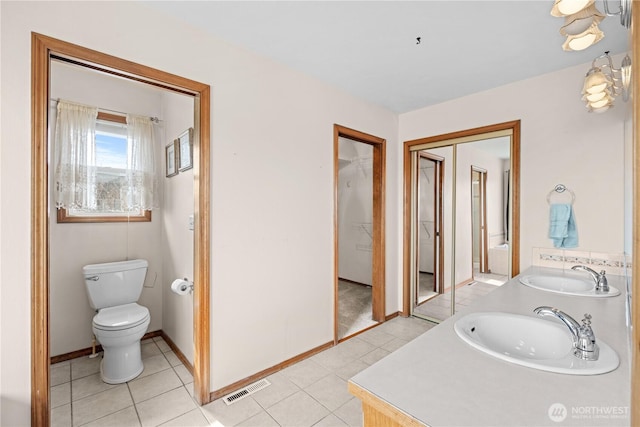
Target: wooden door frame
<point>439,140</point>
<point>482,238</point>
<point>635,278</point>
<point>378,221</point>
<point>438,244</point>
<point>41,49</point>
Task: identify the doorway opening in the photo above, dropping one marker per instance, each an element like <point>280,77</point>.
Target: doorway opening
<point>359,257</point>
<point>479,217</point>
<point>429,244</point>
<point>43,50</point>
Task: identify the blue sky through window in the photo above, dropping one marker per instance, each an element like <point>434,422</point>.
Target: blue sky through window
<point>111,151</point>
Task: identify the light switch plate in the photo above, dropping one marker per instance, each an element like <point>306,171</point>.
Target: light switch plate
<point>191,222</point>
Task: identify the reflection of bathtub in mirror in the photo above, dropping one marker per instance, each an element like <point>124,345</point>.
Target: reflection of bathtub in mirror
<point>499,259</point>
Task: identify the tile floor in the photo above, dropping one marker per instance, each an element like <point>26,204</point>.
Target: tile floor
<point>354,308</point>
<point>425,286</point>
<point>439,308</point>
<point>312,392</point>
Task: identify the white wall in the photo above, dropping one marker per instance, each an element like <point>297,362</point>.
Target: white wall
<point>355,211</point>
<point>177,239</point>
<point>73,245</point>
<point>272,185</point>
<point>560,143</point>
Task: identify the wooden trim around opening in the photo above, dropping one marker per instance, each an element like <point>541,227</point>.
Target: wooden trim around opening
<point>64,218</point>
<point>39,234</point>
<point>438,244</point>
<point>41,49</point>
<point>378,232</point>
<point>110,117</point>
<point>440,140</point>
<point>635,278</point>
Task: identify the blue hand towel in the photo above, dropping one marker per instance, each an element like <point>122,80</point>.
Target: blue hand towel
<point>562,226</point>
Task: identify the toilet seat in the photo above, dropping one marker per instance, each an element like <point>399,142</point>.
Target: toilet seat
<point>121,317</point>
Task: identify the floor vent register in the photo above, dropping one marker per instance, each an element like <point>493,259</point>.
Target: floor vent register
<point>246,391</point>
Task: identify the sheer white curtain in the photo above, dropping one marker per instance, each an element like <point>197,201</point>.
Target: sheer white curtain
<point>141,191</point>
<point>75,171</point>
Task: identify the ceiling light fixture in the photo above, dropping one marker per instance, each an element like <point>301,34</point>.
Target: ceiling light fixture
<point>603,83</point>
<point>581,19</point>
<point>569,7</point>
<point>590,36</point>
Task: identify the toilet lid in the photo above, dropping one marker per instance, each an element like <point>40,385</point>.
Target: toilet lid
<point>121,317</point>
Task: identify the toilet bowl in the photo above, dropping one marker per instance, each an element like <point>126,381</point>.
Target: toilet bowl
<point>119,330</point>
<point>114,289</point>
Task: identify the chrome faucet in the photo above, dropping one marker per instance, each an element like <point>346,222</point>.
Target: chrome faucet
<point>602,285</point>
<point>584,340</point>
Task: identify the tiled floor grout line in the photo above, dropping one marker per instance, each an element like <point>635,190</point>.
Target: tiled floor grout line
<point>135,407</point>
<point>337,361</point>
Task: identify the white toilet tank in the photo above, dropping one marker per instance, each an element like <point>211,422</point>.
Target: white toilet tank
<point>114,283</point>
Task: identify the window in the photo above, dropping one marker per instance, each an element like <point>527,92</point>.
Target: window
<point>110,199</point>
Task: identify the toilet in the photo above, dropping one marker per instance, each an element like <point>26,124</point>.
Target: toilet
<point>114,289</point>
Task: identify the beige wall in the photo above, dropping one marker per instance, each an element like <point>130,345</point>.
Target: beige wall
<point>272,186</point>
<point>560,144</point>
<point>177,239</point>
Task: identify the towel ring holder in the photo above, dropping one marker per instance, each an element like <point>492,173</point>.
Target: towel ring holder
<point>560,188</point>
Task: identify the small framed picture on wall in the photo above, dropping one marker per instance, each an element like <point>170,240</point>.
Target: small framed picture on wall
<point>185,142</point>
<point>171,158</point>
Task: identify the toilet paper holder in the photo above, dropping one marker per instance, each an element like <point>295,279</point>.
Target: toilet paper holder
<point>182,286</point>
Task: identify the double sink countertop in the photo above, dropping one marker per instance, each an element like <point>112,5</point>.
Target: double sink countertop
<point>439,380</point>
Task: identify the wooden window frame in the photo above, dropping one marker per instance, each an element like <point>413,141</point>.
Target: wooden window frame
<point>63,216</point>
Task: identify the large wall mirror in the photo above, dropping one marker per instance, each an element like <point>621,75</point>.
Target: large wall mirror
<point>461,218</point>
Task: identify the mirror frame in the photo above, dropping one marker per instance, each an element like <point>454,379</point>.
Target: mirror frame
<point>440,140</point>
<point>42,47</point>
<point>634,40</point>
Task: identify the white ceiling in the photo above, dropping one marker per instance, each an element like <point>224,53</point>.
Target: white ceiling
<point>369,48</point>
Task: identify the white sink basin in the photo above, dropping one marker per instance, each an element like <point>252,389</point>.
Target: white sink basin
<point>532,342</point>
<point>566,285</point>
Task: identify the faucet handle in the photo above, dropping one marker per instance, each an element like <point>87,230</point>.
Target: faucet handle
<point>585,346</point>
<point>602,284</point>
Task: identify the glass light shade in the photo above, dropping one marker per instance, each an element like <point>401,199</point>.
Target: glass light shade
<point>580,22</point>
<point>583,42</point>
<point>569,7</point>
<point>602,103</point>
<point>595,82</point>
<point>595,96</point>
<point>585,39</point>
